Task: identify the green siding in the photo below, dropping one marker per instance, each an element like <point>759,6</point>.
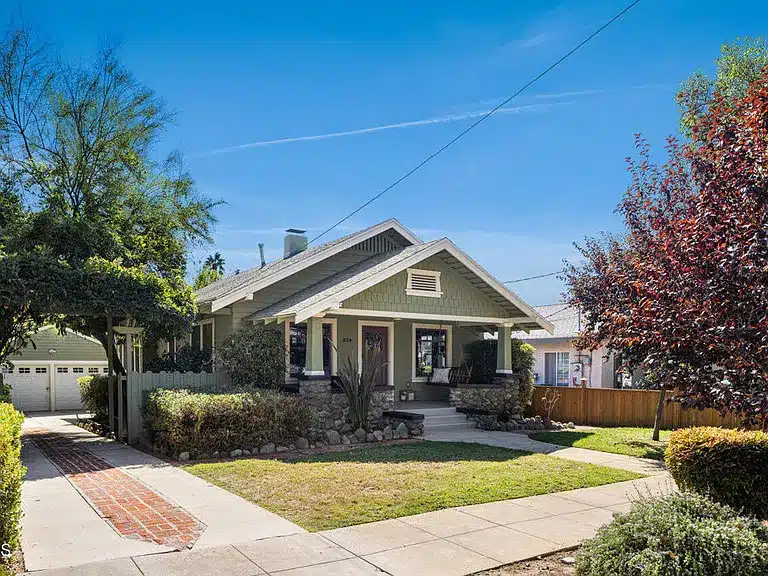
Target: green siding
<point>68,347</point>
<point>347,336</point>
<point>459,297</point>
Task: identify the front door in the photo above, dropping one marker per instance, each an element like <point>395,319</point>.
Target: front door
<point>375,349</point>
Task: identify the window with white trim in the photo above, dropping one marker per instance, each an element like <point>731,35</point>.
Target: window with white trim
<point>557,366</point>
<point>41,370</point>
<point>6,370</point>
<point>106,370</point>
<point>62,370</point>
<point>78,370</point>
<point>24,371</point>
<point>296,345</point>
<point>431,349</point>
<point>93,370</point>
<point>423,283</point>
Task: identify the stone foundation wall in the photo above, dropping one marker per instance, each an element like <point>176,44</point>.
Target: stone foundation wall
<point>502,397</point>
<point>331,407</point>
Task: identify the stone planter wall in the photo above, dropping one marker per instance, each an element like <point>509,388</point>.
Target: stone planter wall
<point>331,407</point>
<point>501,396</point>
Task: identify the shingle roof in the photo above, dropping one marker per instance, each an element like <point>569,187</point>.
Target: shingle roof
<point>232,283</point>
<point>340,281</point>
<point>565,319</point>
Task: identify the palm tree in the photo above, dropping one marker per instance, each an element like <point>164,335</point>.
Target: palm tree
<point>215,262</point>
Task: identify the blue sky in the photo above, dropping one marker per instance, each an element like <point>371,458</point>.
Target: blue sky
<point>251,80</point>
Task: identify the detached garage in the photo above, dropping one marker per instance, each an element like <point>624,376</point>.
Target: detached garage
<point>44,377</point>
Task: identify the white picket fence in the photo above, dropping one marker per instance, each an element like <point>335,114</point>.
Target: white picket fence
<point>137,384</point>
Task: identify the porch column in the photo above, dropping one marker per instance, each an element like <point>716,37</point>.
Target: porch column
<point>314,364</point>
<point>504,351</point>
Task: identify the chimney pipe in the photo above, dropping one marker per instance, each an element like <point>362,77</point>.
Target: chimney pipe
<point>295,242</point>
<point>261,251</point>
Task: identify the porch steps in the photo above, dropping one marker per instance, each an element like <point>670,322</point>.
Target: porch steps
<point>444,420</point>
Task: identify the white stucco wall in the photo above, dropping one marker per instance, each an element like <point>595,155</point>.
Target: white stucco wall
<point>600,375</point>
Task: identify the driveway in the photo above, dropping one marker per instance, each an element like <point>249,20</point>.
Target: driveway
<point>86,499</point>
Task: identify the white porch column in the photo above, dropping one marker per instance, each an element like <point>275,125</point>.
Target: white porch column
<point>504,351</point>
<point>314,368</point>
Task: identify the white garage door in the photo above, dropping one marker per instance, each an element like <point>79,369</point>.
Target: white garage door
<point>30,388</point>
<point>67,388</point>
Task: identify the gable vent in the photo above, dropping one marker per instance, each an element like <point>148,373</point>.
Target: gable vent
<point>423,283</point>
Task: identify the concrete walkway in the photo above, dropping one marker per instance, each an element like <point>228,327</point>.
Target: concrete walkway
<point>445,425</point>
<point>451,542</point>
<point>64,524</point>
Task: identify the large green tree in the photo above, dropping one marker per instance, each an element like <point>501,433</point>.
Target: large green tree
<point>115,222</point>
<point>740,63</point>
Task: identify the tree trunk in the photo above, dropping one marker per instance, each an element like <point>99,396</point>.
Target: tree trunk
<point>659,414</point>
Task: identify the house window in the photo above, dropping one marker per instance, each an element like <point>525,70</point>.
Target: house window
<point>62,370</point>
<point>297,348</point>
<point>24,370</point>
<point>106,370</point>
<point>78,370</point>
<point>431,349</point>
<point>423,283</point>
<point>6,370</point>
<point>41,370</point>
<point>93,370</point>
<point>556,368</point>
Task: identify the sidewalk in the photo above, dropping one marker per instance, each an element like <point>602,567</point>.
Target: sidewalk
<point>117,502</point>
<point>451,542</point>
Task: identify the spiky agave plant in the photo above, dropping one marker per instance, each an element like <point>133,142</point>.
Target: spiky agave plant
<point>358,384</point>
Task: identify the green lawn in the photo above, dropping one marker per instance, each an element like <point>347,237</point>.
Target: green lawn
<point>629,441</point>
<point>375,483</point>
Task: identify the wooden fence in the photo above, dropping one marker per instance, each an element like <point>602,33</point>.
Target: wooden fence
<point>622,407</point>
<point>136,385</point>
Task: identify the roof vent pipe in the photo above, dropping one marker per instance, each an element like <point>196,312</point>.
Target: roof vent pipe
<point>261,252</point>
<point>295,242</point>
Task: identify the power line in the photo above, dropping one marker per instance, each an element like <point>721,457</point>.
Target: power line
<point>478,122</point>
<point>533,277</point>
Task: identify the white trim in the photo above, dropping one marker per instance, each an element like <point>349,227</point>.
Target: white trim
<point>303,263</point>
<point>471,320</point>
<point>390,326</point>
<point>57,362</point>
<point>334,349</point>
<point>448,347</point>
<point>314,372</point>
<point>436,247</point>
<point>505,372</point>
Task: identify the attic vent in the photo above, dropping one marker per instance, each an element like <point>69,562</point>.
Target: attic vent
<point>423,283</point>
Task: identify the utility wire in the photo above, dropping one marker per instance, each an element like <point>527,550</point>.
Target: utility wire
<point>533,277</point>
<point>478,122</point>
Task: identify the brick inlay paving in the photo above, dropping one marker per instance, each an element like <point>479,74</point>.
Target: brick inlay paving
<point>132,508</point>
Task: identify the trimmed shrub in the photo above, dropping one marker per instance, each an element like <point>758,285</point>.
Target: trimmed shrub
<point>481,359</point>
<point>254,357</point>
<point>677,535</point>
<point>203,423</point>
<point>94,394</point>
<point>11,475</point>
<point>729,466</point>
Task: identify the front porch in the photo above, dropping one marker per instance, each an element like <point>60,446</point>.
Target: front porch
<point>423,356</point>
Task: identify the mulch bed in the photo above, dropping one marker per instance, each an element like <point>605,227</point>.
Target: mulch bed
<point>551,565</point>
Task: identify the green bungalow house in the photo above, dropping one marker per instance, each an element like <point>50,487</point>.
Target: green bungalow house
<point>418,303</point>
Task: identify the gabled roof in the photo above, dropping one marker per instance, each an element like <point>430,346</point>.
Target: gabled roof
<point>563,317</point>
<point>328,294</point>
<point>234,288</point>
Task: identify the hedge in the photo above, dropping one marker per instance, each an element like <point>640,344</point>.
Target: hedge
<point>729,466</point>
<point>94,394</point>
<point>11,475</point>
<point>678,535</point>
<point>203,423</point>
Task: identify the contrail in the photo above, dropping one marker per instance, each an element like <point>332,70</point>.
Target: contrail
<point>411,124</point>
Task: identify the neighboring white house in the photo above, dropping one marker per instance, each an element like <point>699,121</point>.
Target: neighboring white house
<point>558,362</point>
